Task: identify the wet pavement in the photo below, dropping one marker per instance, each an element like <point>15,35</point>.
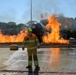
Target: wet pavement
<point>50,59</point>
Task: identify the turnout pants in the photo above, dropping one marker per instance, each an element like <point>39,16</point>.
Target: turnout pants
<point>32,53</point>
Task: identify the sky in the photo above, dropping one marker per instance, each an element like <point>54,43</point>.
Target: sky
<point>19,10</point>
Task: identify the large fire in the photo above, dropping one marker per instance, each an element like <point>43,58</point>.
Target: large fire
<point>54,35</point>
<point>13,38</point>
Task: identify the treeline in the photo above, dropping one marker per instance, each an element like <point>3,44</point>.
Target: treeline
<point>11,28</point>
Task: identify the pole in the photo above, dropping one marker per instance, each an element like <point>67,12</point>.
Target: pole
<point>31,10</point>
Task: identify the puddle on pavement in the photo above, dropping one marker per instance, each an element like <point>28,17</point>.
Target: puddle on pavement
<point>49,58</point>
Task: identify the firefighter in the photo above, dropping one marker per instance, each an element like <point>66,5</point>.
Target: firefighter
<point>32,43</point>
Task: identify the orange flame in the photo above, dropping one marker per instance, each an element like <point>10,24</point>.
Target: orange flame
<point>13,38</point>
<point>54,36</point>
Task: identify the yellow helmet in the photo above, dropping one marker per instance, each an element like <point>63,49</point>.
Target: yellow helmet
<point>29,30</point>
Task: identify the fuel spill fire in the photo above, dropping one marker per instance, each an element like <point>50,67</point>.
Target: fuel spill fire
<point>13,38</point>
<point>54,35</point>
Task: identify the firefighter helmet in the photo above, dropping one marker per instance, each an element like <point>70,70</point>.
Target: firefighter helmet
<point>29,30</point>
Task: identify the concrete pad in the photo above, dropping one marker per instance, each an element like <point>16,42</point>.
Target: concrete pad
<point>50,60</point>
<point>4,55</point>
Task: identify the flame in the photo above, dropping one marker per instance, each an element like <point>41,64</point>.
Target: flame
<point>13,38</point>
<point>54,35</point>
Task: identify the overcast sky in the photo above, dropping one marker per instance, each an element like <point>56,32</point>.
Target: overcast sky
<point>19,10</point>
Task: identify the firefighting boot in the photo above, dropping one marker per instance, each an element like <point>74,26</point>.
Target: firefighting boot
<point>37,68</point>
<point>30,70</point>
<point>29,67</point>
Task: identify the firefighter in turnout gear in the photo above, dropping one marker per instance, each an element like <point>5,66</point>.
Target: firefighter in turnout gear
<point>32,43</point>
